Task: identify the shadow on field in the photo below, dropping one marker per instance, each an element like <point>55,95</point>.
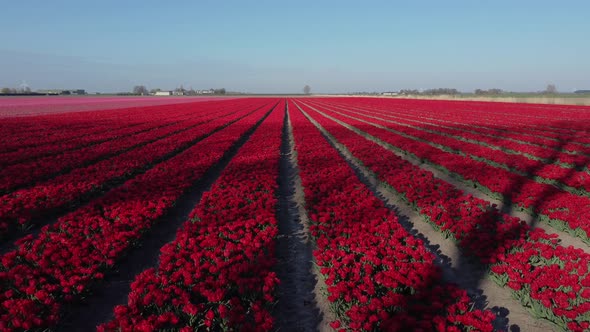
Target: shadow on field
<point>297,307</point>
<point>489,219</point>
<point>88,192</point>
<point>86,314</point>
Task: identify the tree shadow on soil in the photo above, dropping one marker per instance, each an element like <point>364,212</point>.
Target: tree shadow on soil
<point>468,266</point>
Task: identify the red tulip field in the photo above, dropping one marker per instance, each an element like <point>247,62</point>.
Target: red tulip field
<point>293,214</point>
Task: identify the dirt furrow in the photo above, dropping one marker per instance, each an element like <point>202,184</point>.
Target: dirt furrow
<point>53,215</point>
<point>98,309</point>
<point>297,308</point>
<point>530,175</point>
<point>494,146</point>
<point>503,129</point>
<point>457,268</point>
<point>455,180</point>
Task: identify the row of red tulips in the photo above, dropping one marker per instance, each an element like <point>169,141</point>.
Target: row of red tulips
<point>19,175</point>
<point>378,276</point>
<point>22,207</point>
<point>564,210</point>
<point>549,121</point>
<point>497,142</point>
<point>79,141</point>
<point>578,181</point>
<point>67,258</point>
<point>218,272</point>
<point>552,281</point>
<point>21,133</point>
<point>523,126</point>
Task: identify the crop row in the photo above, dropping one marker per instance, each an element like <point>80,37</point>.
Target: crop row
<point>19,175</point>
<point>552,281</point>
<point>378,276</point>
<point>61,265</point>
<point>78,141</point>
<point>514,147</point>
<point>218,272</point>
<point>22,207</point>
<point>53,129</point>
<point>560,119</point>
<point>576,182</point>
<point>562,150</point>
<point>493,121</point>
<point>562,209</point>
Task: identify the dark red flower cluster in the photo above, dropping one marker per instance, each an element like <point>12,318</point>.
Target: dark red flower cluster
<point>546,277</point>
<point>21,207</point>
<point>523,131</point>
<point>52,107</point>
<point>542,124</point>
<point>22,134</point>
<point>42,161</point>
<point>378,276</point>
<point>218,272</point>
<point>545,199</point>
<point>67,257</point>
<point>495,157</point>
<point>80,136</point>
<point>532,161</point>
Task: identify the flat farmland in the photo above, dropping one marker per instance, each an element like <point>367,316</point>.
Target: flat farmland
<point>27,106</point>
<point>293,214</point>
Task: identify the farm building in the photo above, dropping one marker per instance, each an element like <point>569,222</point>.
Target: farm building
<point>163,93</point>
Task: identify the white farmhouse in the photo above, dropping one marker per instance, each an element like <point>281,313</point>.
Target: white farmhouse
<point>163,93</point>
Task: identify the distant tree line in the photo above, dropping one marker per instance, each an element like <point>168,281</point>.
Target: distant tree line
<point>481,92</point>
<point>13,91</point>
<point>364,93</point>
<point>26,91</point>
<point>430,92</point>
<point>141,90</point>
<point>550,89</point>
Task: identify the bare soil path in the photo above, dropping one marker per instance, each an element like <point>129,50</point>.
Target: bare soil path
<point>457,268</point>
<point>458,182</point>
<point>297,308</point>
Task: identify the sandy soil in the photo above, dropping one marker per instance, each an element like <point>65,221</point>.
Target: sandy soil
<point>297,308</point>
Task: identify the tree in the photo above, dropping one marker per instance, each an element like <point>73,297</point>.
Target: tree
<point>488,92</point>
<point>153,91</point>
<point>409,92</point>
<point>6,91</point>
<point>140,90</point>
<point>307,89</point>
<point>551,89</point>
<point>441,91</point>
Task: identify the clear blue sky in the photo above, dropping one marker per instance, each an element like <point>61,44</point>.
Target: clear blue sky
<point>260,46</point>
